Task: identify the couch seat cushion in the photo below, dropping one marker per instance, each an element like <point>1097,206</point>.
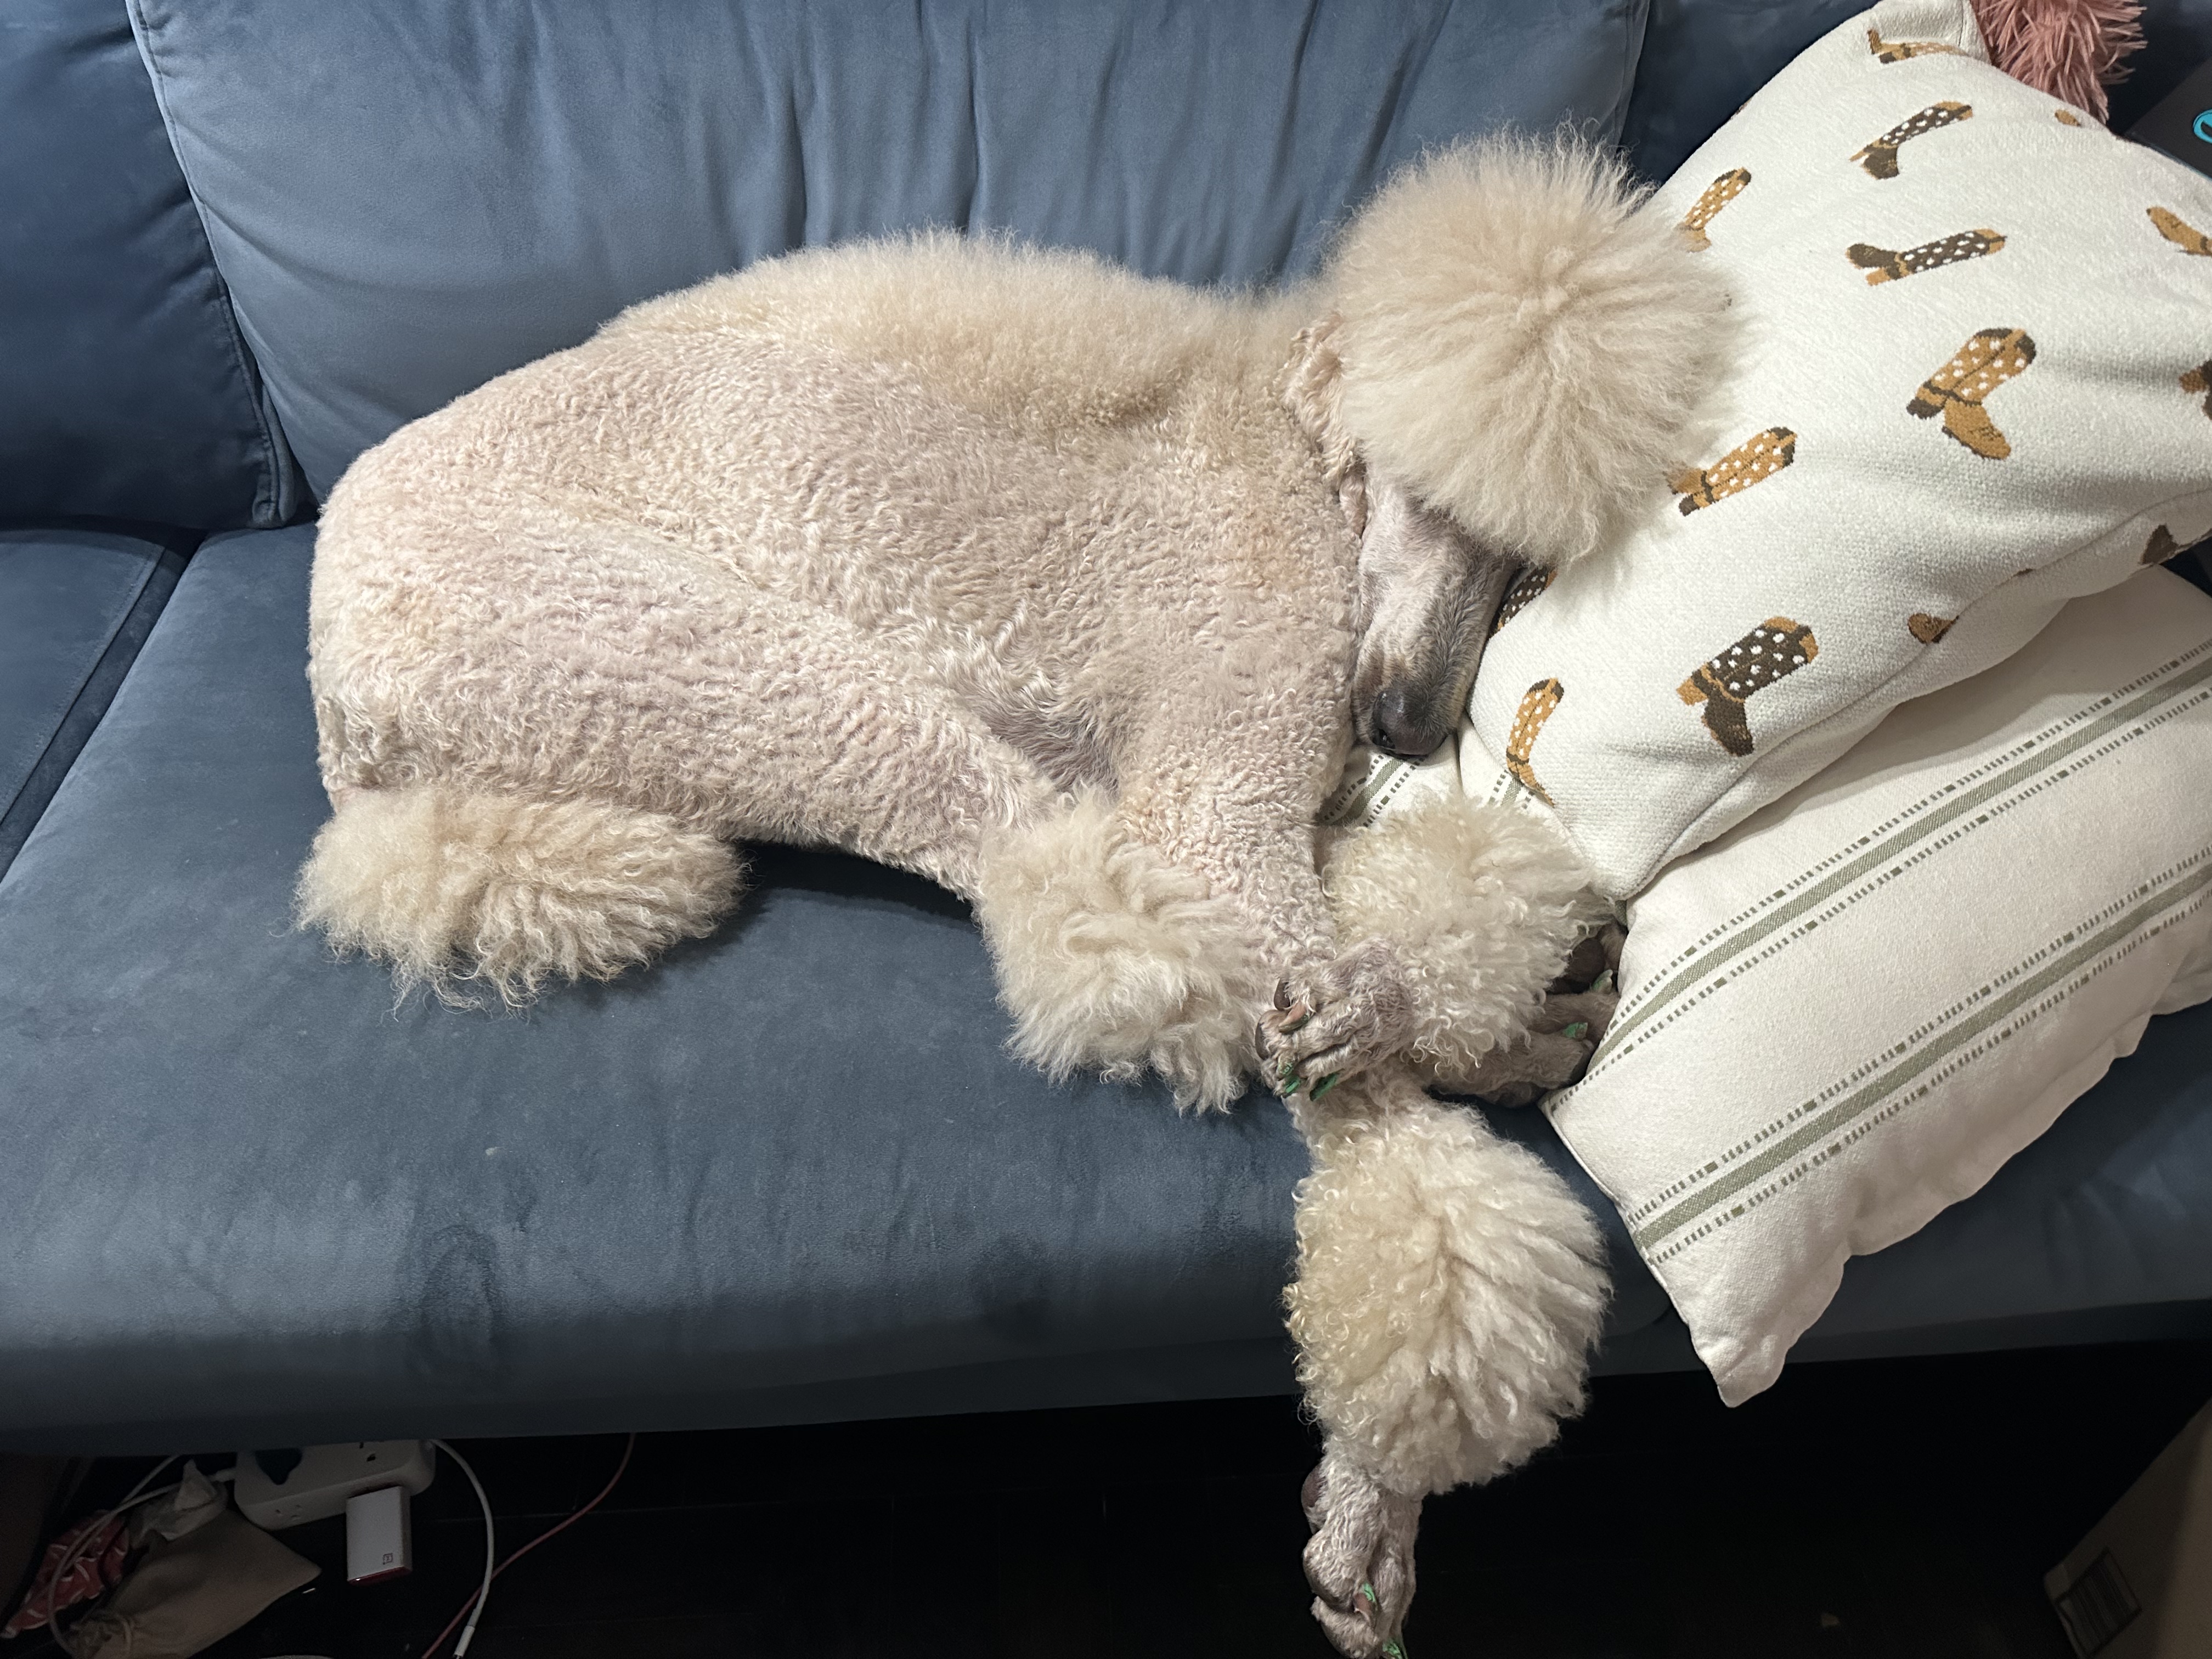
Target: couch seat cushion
<point>788,1173</point>
<point>74,603</point>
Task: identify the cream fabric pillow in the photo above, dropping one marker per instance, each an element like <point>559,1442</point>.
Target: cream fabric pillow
<point>1847,1012</point>
<point>1977,333</point>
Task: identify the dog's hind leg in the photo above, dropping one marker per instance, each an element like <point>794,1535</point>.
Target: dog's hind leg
<point>544,783</point>
<point>461,887</point>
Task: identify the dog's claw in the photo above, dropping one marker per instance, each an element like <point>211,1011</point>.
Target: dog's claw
<point>1324,1086</point>
<point>1557,1048</point>
<point>1576,1013</point>
<point>1344,1015</point>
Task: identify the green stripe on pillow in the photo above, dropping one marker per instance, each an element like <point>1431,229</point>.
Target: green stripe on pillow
<point>2040,757</point>
<point>2174,894</point>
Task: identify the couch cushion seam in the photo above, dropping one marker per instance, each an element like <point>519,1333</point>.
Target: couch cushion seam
<point>268,492</point>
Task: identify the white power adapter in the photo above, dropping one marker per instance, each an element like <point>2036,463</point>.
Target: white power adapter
<point>282,1489</point>
<point>379,1541</point>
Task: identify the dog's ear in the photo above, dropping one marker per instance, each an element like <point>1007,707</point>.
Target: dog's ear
<point>1521,343</point>
<point>1313,391</point>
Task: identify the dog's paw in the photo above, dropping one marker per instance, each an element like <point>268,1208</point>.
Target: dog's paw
<point>1341,1018</point>
<point>1525,1074</point>
<point>1531,1069</point>
<point>1580,1014</point>
<point>1561,1039</point>
<point>1595,957</point>
<point>1359,1562</point>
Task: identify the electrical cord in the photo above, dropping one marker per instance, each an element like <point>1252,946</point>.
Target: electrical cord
<point>131,1499</point>
<point>473,1607</point>
<point>137,1494</point>
<point>474,1610</point>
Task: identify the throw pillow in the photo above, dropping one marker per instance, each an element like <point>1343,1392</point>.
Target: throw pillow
<point>1973,383</point>
<point>1847,1012</point>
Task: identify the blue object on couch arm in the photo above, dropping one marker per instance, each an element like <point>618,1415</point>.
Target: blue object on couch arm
<point>788,1173</point>
<point>124,388</point>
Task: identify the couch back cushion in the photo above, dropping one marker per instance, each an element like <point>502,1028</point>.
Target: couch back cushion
<point>409,196</point>
<point>124,389</point>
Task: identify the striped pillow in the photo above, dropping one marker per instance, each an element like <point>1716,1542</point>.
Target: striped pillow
<point>1847,1012</point>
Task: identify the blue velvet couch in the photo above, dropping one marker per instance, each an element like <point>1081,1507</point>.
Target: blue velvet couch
<point>790,1174</point>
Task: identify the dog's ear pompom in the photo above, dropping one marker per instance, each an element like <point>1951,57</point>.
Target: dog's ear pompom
<point>1523,343</point>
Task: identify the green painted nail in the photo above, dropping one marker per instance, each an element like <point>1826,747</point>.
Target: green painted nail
<point>1575,1030</point>
<point>1300,1023</point>
<point>1324,1086</point>
<point>1392,1650</point>
<point>1603,982</point>
<point>1368,1590</point>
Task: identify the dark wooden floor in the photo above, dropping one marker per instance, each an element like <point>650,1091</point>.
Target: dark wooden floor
<point>1894,1509</point>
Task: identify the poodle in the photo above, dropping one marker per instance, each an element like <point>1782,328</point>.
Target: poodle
<point>1071,591</point>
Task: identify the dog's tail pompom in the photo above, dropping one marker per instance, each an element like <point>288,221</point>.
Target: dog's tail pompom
<point>1523,343</point>
<point>1112,960</point>
<point>1449,1289</point>
<point>461,889</point>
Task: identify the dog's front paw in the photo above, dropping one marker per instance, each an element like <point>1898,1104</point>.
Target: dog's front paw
<point>1341,1017</point>
<point>1563,1036</point>
<point>1359,1562</point>
<point>1561,1039</point>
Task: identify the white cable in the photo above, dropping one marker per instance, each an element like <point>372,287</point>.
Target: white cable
<point>137,1494</point>
<point>491,1550</point>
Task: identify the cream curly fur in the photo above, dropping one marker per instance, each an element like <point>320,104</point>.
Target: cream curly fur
<point>1046,582</point>
<point>1521,346</point>
<point>1483,904</point>
<point>1113,960</point>
<point>1449,1288</point>
<point>882,546</point>
<point>455,889</point>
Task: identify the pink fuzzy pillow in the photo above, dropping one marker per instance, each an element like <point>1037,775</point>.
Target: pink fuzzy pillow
<point>2070,49</point>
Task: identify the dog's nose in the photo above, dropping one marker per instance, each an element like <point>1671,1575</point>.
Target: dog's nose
<point>1398,725</point>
